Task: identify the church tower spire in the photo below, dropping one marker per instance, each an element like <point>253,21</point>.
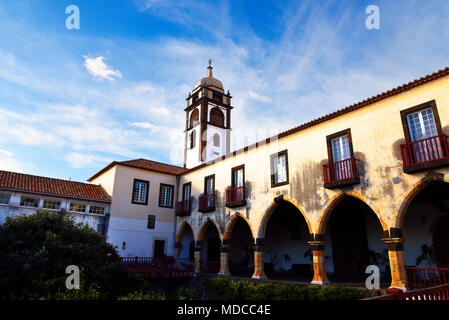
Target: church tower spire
<point>208,121</point>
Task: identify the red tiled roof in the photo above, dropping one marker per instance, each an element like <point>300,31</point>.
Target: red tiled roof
<point>143,164</point>
<point>50,186</point>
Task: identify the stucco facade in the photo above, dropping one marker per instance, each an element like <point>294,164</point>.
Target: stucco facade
<point>377,132</point>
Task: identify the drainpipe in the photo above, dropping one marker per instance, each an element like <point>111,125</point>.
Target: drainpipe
<point>176,210</point>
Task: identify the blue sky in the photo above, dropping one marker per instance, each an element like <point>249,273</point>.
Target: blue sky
<point>71,101</point>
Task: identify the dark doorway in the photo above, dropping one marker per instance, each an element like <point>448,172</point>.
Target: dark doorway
<point>349,243</point>
<point>356,242</point>
<point>210,256</point>
<point>287,254</point>
<point>241,252</point>
<point>159,248</point>
<point>441,242</point>
<point>192,251</point>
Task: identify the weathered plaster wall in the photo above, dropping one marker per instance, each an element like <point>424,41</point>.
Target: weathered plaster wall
<point>376,132</point>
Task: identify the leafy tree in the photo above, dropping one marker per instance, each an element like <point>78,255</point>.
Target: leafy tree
<point>36,249</point>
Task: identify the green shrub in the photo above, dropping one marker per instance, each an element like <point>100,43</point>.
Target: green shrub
<point>42,245</point>
<point>184,293</point>
<point>246,290</point>
<point>143,296</point>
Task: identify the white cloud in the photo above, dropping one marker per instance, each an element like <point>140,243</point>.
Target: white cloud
<point>259,97</point>
<point>143,125</point>
<point>6,153</point>
<point>81,160</point>
<point>99,69</point>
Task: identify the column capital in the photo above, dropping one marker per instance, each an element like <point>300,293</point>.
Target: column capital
<point>317,245</point>
<point>394,244</point>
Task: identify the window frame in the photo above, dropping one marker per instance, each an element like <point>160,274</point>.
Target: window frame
<point>28,197</point>
<point>52,201</point>
<point>212,176</point>
<point>329,139</point>
<point>232,175</point>
<point>192,137</point>
<point>153,219</point>
<point>146,194</point>
<point>78,204</point>
<point>183,191</point>
<point>7,195</point>
<point>420,107</point>
<point>277,154</point>
<point>97,206</point>
<point>172,194</point>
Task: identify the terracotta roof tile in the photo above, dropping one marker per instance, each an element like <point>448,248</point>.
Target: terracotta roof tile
<point>143,164</point>
<point>50,186</point>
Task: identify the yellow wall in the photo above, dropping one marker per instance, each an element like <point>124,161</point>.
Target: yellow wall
<point>376,134</point>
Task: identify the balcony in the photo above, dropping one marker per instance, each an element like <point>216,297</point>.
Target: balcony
<point>424,154</point>
<point>341,173</point>
<point>235,197</point>
<point>206,202</point>
<point>183,208</point>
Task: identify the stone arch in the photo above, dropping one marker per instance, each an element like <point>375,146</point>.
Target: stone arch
<point>231,224</point>
<point>217,117</point>
<point>200,234</point>
<point>412,193</point>
<point>332,204</point>
<point>181,231</point>
<point>272,207</point>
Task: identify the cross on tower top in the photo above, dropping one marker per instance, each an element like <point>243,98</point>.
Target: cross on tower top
<point>209,69</point>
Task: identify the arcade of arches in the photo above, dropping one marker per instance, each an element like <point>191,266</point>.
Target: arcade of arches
<point>350,237</point>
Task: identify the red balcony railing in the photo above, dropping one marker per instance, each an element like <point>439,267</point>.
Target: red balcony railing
<point>425,151</point>
<point>164,267</point>
<point>340,171</point>
<point>440,292</point>
<point>235,196</point>
<point>206,202</point>
<point>183,208</point>
<point>427,277</point>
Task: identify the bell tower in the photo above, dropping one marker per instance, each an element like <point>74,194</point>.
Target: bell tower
<point>208,121</point>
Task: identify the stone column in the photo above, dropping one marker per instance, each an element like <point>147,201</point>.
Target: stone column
<point>395,246</point>
<point>259,272</point>
<point>319,260</point>
<point>224,259</point>
<point>197,257</point>
<point>178,248</point>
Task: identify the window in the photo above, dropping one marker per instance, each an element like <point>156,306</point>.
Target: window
<point>279,169</point>
<point>77,207</point>
<point>422,125</point>
<point>421,122</point>
<point>51,205</point>
<point>166,195</point>
<point>341,164</point>
<point>96,210</point>
<point>217,96</point>
<point>217,117</point>
<point>4,198</point>
<point>194,118</point>
<point>209,184</point>
<point>29,202</point>
<point>192,139</point>
<point>340,148</point>
<point>140,192</point>
<point>238,177</point>
<point>216,139</point>
<point>186,191</point>
<point>151,222</point>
